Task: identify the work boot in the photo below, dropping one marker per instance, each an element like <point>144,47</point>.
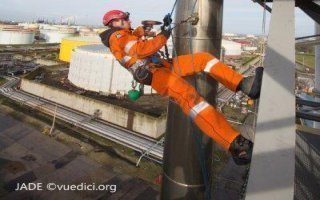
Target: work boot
<point>247,132</point>
<point>241,150</point>
<point>251,85</point>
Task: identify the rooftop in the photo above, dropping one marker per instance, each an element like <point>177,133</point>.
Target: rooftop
<point>28,155</point>
<point>153,105</point>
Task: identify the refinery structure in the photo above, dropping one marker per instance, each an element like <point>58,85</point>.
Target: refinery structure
<point>12,34</point>
<point>65,72</point>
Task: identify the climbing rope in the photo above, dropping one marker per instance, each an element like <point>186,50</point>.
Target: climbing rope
<point>173,7</point>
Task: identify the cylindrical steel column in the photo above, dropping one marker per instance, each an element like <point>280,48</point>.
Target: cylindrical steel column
<point>183,178</point>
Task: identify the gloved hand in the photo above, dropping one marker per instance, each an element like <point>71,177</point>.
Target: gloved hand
<point>167,20</point>
<point>166,32</point>
<point>241,150</point>
<point>139,31</point>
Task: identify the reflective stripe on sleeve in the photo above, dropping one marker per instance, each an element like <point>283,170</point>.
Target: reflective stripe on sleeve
<point>129,45</point>
<point>198,108</point>
<point>125,59</point>
<point>210,64</point>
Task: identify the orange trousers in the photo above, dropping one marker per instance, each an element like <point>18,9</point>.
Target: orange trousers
<point>205,116</point>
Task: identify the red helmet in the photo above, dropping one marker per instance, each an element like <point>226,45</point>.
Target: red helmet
<point>114,14</point>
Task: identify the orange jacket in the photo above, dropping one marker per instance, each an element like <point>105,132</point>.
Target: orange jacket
<point>128,46</point>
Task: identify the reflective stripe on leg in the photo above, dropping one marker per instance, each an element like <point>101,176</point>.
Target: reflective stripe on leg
<point>198,108</point>
<point>213,124</point>
<point>210,64</point>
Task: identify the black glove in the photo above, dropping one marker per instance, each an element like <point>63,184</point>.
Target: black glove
<point>241,150</point>
<point>167,20</point>
<point>166,32</point>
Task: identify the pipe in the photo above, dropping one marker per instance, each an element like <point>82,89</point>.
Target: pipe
<point>307,103</point>
<point>183,178</point>
<point>264,5</point>
<point>308,116</point>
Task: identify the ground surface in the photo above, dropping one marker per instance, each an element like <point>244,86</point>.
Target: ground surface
<point>2,81</point>
<point>27,155</point>
<point>306,59</point>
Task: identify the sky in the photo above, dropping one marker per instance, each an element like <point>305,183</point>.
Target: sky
<point>240,16</point>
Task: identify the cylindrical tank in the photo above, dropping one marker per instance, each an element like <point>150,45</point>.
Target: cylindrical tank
<point>84,31</point>
<point>94,68</point>
<point>54,34</point>
<point>29,25</point>
<point>12,34</point>
<point>68,44</point>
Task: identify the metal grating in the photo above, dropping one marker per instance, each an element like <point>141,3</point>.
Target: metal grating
<point>307,166</point>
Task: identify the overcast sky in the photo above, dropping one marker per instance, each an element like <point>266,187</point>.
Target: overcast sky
<point>240,16</point>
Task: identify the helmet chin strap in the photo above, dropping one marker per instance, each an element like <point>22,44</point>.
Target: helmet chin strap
<point>122,23</point>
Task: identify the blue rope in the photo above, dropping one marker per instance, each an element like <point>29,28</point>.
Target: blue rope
<point>201,159</point>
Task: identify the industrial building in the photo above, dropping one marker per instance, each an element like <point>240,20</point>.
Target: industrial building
<point>231,48</point>
<point>13,34</point>
<point>94,68</point>
<point>69,43</point>
<point>250,48</point>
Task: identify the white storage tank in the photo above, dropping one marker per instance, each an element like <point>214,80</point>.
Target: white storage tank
<point>94,68</point>
<point>12,34</point>
<point>54,34</point>
<point>29,25</point>
<point>87,32</point>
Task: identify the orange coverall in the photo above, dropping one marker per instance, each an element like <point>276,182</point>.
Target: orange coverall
<point>129,48</point>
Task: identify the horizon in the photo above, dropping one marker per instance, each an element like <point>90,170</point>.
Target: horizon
<point>243,17</point>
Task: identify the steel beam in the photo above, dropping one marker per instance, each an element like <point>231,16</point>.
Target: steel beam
<point>317,69</point>
<point>309,130</point>
<point>310,8</point>
<point>271,173</point>
<point>317,66</point>
<point>263,4</point>
<point>307,103</point>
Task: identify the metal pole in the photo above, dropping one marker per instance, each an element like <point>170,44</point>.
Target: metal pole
<point>317,70</point>
<point>54,120</point>
<point>111,79</point>
<point>183,178</point>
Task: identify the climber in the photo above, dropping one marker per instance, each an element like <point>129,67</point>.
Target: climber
<point>140,57</point>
